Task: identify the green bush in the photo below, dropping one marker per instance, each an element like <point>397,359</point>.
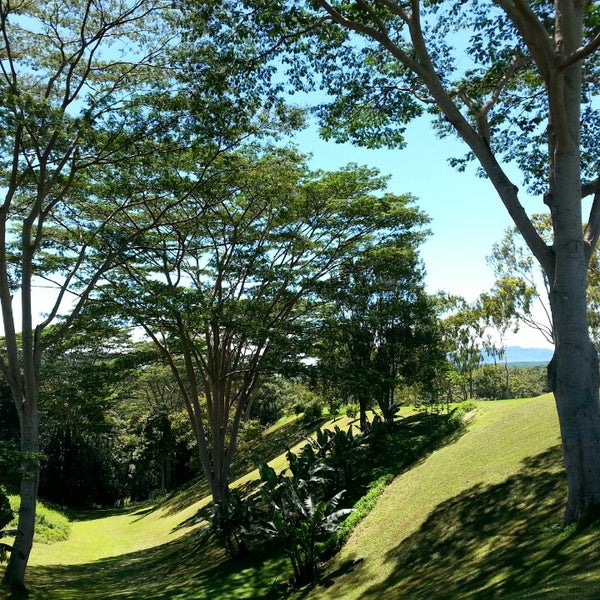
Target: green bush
<point>360,510</point>
<point>50,525</point>
<point>352,410</point>
<point>298,521</point>
<point>312,412</point>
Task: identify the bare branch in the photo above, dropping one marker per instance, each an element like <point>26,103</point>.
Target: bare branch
<point>592,229</point>
<point>581,53</point>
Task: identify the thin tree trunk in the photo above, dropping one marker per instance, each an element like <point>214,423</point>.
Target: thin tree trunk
<point>14,576</point>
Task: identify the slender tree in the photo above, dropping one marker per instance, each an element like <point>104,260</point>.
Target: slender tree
<point>64,85</point>
<point>523,288</point>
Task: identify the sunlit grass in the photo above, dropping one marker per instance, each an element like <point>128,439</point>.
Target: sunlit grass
<point>478,518</point>
<point>51,525</point>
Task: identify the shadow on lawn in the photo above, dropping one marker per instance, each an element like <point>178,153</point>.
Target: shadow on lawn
<point>178,570</point>
<point>492,542</point>
<point>187,569</point>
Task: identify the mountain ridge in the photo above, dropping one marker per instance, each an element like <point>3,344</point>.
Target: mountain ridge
<point>521,354</point>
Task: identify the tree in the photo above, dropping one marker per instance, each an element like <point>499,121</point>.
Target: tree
<point>522,287</point>
<point>524,96</point>
<point>466,337</point>
<point>96,113</point>
<point>223,291</point>
<point>66,95</point>
<point>381,329</point>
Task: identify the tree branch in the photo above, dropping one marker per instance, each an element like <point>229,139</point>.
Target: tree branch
<point>533,32</point>
<point>592,229</point>
<point>581,53</point>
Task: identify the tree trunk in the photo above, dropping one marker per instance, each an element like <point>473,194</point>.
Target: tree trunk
<point>14,575</point>
<point>362,408</point>
<point>576,392</point>
<point>574,381</point>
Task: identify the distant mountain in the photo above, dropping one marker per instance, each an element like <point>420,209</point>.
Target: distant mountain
<point>517,354</point>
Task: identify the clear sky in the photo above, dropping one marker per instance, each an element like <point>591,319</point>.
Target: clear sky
<point>467,215</point>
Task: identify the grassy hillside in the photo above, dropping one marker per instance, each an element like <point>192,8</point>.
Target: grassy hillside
<point>462,523</point>
<point>477,519</point>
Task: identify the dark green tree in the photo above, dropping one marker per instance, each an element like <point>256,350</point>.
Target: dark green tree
<point>382,329</point>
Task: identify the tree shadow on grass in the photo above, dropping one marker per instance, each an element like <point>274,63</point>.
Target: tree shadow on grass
<point>181,570</point>
<point>497,541</point>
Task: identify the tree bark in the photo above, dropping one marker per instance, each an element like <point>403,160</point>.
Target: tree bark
<point>574,369</point>
<point>14,576</point>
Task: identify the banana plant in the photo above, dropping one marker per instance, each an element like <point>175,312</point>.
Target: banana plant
<point>299,521</point>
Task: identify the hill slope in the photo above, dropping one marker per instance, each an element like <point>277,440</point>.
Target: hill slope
<point>477,519</point>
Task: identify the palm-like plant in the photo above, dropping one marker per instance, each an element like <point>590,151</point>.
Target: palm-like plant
<point>298,520</point>
<point>6,516</point>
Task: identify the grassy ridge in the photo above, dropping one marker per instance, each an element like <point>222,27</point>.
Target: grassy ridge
<point>478,518</point>
<point>51,526</point>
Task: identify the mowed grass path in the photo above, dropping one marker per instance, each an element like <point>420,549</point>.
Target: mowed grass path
<point>478,518</point>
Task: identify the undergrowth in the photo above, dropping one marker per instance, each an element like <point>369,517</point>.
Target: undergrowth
<point>50,525</point>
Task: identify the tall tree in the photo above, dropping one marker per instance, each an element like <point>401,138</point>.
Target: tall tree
<point>515,80</point>
<point>63,86</point>
<point>465,339</point>
<point>222,291</point>
<point>381,327</point>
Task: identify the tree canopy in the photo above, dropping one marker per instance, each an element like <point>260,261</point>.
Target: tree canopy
<point>224,287</point>
<point>516,82</point>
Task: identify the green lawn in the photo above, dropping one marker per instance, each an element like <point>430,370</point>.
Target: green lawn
<point>477,518</point>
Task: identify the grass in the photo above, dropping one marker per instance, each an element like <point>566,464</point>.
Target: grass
<point>50,525</point>
<point>478,518</point>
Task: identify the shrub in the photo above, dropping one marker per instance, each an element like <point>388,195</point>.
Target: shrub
<point>313,412</point>
<point>230,521</point>
<point>298,521</point>
<point>352,410</point>
<point>361,509</point>
<point>250,431</point>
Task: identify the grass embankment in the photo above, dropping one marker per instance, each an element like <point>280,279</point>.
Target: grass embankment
<point>477,518</point>
<point>50,525</point>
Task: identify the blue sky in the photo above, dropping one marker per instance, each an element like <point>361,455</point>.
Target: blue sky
<point>467,215</point>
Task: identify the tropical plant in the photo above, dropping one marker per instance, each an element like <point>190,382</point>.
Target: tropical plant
<point>298,520</point>
<point>340,449</point>
<point>231,521</point>
<point>6,516</point>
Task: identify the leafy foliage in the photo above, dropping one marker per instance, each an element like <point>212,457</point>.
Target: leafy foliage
<point>6,516</point>
<point>231,521</point>
<point>226,289</point>
<point>298,520</point>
